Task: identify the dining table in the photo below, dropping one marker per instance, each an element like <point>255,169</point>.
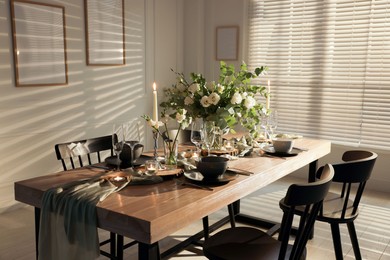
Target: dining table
<point>150,213</point>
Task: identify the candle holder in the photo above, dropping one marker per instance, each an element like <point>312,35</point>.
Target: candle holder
<point>155,154</point>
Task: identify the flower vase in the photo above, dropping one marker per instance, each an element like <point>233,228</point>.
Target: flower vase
<point>170,153</point>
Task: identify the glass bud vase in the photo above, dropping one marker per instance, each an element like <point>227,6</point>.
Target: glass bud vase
<point>170,153</point>
<point>218,143</point>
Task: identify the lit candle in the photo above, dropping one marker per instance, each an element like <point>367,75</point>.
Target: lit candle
<point>119,178</point>
<point>155,109</point>
<point>268,96</point>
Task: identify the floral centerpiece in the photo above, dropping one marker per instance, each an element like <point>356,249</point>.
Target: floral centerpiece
<point>230,101</point>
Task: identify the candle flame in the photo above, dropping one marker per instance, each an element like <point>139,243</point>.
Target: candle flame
<point>268,83</point>
<point>154,86</point>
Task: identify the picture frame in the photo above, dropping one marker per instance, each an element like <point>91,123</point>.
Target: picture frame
<point>105,32</point>
<point>227,43</point>
<point>39,43</point>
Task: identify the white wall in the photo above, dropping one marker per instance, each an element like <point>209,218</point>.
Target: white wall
<point>34,119</point>
<point>212,13</point>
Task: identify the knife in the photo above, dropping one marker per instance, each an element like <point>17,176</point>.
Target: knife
<point>240,171</point>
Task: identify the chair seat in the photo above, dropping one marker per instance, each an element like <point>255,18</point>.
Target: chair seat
<point>243,243</point>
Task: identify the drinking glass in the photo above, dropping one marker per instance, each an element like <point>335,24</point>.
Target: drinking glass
<point>196,136</point>
<point>132,137</point>
<point>208,135</point>
<point>118,142</point>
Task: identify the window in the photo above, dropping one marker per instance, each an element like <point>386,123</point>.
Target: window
<point>329,67</point>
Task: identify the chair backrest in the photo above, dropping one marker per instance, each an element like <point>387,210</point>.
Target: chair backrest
<point>353,174</point>
<point>310,197</point>
<point>85,152</point>
<point>184,136</point>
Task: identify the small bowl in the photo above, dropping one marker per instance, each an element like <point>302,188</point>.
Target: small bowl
<point>126,154</point>
<point>212,166</point>
<point>283,145</point>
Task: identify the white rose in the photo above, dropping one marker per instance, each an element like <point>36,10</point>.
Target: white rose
<point>194,87</point>
<point>155,124</point>
<point>188,101</point>
<point>210,85</point>
<point>236,99</point>
<point>249,102</point>
<point>220,88</point>
<point>180,117</point>
<point>244,95</point>
<point>214,98</point>
<point>204,101</point>
<point>165,118</point>
<point>181,87</point>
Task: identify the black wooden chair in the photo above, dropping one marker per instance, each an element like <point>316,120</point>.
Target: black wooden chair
<point>86,152</point>
<point>252,243</point>
<point>341,205</point>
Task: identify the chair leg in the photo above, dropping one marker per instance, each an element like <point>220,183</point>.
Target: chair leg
<point>354,240</point>
<point>338,250</point>
<point>232,216</point>
<point>206,230</point>
<point>119,247</point>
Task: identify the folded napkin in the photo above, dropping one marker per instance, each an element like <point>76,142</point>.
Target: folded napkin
<point>68,228</point>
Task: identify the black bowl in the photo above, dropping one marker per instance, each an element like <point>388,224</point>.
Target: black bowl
<point>212,166</point>
<point>126,153</point>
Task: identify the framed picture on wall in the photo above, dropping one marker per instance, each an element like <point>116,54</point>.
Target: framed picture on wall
<point>105,32</point>
<point>39,44</point>
<point>227,43</point>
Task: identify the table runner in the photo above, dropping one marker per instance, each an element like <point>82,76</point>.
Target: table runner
<point>68,227</point>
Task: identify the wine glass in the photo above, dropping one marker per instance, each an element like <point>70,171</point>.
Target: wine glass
<point>269,122</point>
<point>208,135</point>
<point>272,122</point>
<point>196,136</point>
<point>117,143</point>
<point>132,138</point>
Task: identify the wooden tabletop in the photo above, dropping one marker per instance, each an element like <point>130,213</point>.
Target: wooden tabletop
<point>149,213</point>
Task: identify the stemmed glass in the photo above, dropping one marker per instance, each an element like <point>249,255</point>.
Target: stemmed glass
<point>132,138</point>
<point>196,135</point>
<point>269,122</point>
<point>118,142</point>
<point>272,121</point>
<point>208,135</point>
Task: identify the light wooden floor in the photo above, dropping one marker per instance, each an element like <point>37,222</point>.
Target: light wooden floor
<point>373,228</point>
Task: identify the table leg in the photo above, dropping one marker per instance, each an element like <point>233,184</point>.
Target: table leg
<point>148,252</point>
<point>312,170</point>
<point>37,217</point>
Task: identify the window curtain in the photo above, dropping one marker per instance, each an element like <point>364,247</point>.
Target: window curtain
<point>329,67</point>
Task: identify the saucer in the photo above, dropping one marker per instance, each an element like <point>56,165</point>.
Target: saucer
<point>196,176</point>
<point>270,150</point>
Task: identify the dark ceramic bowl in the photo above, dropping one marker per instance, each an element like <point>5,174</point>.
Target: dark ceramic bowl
<point>126,152</point>
<point>212,166</point>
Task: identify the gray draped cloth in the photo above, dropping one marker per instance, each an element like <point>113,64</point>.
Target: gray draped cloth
<point>68,227</point>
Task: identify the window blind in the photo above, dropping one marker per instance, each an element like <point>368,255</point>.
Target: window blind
<point>329,67</point>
